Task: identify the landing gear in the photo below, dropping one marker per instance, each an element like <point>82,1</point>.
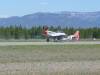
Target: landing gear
<point>47,40</point>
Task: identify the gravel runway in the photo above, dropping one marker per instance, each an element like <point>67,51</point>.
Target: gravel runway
<point>48,43</point>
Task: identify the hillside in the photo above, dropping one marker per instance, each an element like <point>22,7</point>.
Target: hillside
<point>70,19</point>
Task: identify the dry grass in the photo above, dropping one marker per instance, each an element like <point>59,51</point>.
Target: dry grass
<point>50,60</point>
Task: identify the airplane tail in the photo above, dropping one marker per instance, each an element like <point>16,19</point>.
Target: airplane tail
<point>77,35</point>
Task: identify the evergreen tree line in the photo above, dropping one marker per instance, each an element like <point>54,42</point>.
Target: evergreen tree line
<point>19,32</point>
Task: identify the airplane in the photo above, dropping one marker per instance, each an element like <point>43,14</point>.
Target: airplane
<point>59,36</point>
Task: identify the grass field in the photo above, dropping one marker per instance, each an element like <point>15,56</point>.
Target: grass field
<point>50,60</point>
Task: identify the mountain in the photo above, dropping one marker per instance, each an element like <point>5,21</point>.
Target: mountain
<point>70,19</point>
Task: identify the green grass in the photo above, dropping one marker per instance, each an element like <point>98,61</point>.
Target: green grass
<point>22,40</point>
<point>46,59</point>
<point>57,53</point>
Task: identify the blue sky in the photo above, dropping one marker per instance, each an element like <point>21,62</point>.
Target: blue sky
<point>24,7</point>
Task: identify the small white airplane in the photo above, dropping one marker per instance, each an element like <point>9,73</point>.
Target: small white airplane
<point>59,36</point>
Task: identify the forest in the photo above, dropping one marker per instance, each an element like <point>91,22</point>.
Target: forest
<point>35,32</point>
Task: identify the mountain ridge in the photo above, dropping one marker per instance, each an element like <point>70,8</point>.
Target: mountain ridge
<point>64,18</point>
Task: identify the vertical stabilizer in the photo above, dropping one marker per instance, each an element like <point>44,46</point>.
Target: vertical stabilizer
<point>77,35</point>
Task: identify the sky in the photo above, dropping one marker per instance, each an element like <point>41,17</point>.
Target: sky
<point>23,7</point>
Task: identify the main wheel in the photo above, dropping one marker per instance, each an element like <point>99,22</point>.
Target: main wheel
<point>47,40</point>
